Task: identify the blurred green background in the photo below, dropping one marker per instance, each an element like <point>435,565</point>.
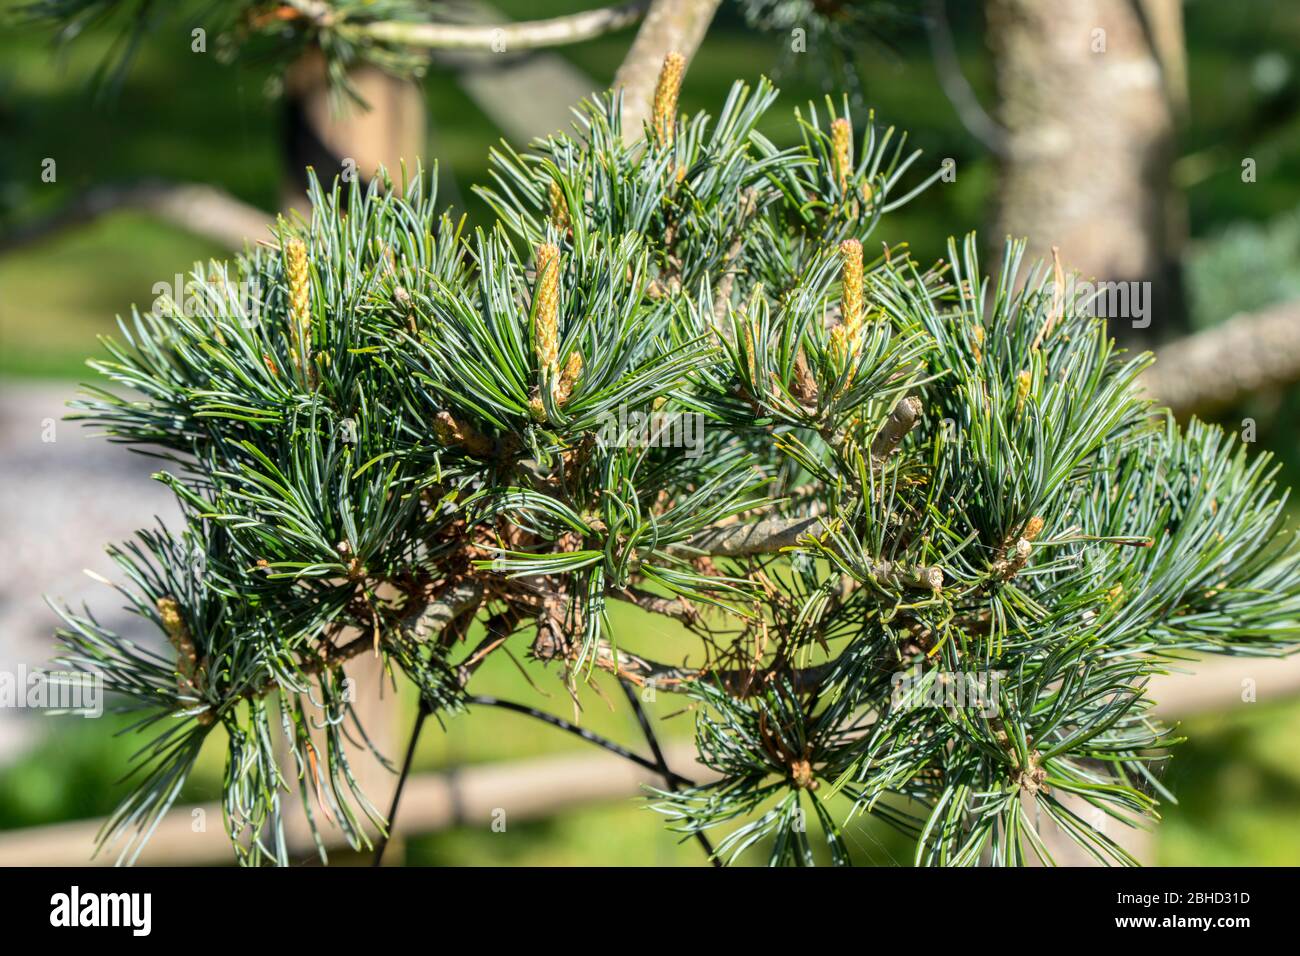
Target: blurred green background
<point>184,117</point>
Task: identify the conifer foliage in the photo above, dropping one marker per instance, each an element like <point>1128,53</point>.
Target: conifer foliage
<point>905,477</point>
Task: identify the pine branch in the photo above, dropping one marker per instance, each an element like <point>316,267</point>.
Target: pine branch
<point>530,35</point>
<point>422,622</point>
<point>1223,365</point>
<point>674,607</point>
<point>905,484</point>
<point>398,35</point>
<point>770,535</point>
<point>901,420</point>
<point>740,682</point>
<point>431,617</point>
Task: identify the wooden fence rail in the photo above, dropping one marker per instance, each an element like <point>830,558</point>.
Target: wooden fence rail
<point>537,788</point>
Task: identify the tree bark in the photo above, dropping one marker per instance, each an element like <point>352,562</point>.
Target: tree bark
<point>1223,365</point>
<point>1090,142</point>
<point>670,26</point>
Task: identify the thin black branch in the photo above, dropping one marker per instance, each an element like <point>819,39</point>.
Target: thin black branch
<point>585,734</point>
<point>464,602</point>
<point>955,85</point>
<point>644,720</point>
<point>382,845</point>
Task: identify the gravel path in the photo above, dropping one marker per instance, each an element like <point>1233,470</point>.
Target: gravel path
<point>64,495</point>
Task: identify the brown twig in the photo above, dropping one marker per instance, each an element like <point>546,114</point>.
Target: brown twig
<point>740,682</point>
<point>674,607</point>
<point>901,420</point>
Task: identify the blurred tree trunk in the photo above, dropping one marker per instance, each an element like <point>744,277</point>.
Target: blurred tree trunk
<point>333,134</point>
<point>1089,94</point>
<point>670,26</point>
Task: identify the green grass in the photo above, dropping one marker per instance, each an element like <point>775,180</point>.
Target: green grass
<point>60,295</point>
<point>1238,787</point>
